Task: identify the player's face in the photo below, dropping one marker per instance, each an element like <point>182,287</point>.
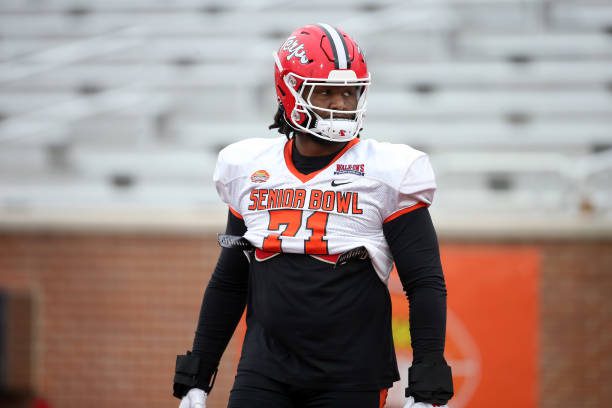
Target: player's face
<point>343,98</point>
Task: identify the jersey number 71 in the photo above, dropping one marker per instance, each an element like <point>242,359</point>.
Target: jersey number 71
<point>316,223</point>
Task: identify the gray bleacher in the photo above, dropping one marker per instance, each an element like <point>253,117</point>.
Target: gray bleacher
<point>110,105</point>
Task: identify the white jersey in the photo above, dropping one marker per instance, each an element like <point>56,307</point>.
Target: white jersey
<point>338,208</point>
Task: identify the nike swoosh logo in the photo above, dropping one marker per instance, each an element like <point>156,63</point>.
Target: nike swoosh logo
<point>336,184</point>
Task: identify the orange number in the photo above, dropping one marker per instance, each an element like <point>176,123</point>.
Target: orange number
<point>292,220</point>
<point>317,223</point>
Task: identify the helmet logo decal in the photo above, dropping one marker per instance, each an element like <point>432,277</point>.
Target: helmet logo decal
<point>295,50</point>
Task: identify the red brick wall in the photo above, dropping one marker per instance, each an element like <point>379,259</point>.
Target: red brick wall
<point>112,311</point>
<point>576,325</point>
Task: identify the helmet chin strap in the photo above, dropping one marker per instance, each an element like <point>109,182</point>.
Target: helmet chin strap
<point>338,130</point>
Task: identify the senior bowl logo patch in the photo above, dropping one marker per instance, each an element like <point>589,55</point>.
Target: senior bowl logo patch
<point>260,176</point>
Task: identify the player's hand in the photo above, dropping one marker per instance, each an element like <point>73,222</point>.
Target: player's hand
<point>195,398</point>
<point>410,403</point>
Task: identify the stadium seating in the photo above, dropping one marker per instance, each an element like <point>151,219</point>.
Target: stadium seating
<point>112,105</point>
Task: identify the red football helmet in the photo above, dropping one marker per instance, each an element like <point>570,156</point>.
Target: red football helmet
<point>320,55</point>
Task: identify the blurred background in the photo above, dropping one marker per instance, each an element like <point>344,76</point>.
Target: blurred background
<point>112,113</point>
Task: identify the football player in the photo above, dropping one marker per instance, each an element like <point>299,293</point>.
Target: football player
<point>316,219</point>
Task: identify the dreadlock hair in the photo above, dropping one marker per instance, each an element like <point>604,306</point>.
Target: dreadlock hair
<point>280,123</point>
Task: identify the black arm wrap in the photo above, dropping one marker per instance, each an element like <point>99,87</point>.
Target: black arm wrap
<point>186,375</point>
<point>432,383</point>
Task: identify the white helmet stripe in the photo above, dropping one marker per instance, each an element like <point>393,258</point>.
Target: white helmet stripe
<point>337,44</point>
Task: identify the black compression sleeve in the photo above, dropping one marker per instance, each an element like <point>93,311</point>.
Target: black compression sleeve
<point>223,303</point>
<point>414,246</point>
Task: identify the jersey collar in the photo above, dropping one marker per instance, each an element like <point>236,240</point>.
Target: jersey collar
<point>306,177</point>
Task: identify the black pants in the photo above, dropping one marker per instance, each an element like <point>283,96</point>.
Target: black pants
<point>252,390</point>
